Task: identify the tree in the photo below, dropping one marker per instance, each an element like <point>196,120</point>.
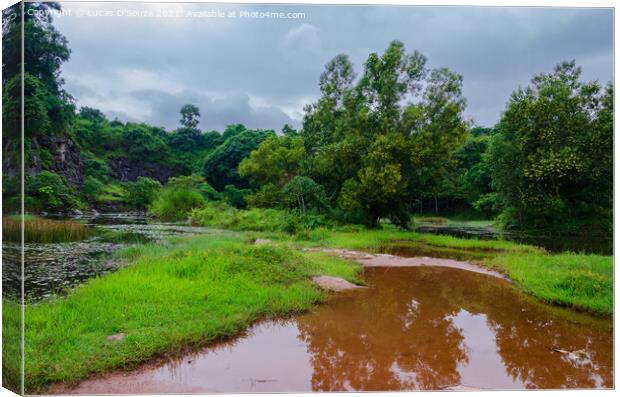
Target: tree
<point>187,139</point>
<point>221,165</point>
<point>276,161</point>
<point>36,118</point>
<point>379,143</point>
<point>189,116</point>
<point>45,49</point>
<point>142,144</point>
<point>302,193</point>
<point>288,130</point>
<point>552,158</point>
<point>437,131</point>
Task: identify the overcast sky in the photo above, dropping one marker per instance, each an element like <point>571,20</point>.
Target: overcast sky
<point>261,72</point>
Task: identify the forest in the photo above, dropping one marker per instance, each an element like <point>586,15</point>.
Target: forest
<point>375,147</point>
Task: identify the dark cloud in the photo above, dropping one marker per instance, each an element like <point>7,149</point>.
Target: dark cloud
<point>261,72</point>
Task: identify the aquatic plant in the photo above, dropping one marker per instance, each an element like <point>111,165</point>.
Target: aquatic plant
<point>41,230</point>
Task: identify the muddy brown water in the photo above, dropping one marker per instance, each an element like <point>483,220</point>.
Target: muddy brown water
<point>412,328</point>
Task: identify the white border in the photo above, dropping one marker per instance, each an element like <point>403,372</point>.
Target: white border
<point>488,3</point>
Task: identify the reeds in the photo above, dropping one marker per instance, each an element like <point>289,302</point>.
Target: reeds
<point>41,230</point>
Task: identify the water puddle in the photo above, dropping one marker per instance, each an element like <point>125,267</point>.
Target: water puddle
<point>413,328</point>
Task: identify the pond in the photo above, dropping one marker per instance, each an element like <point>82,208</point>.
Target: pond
<point>53,268</point>
<point>425,328</point>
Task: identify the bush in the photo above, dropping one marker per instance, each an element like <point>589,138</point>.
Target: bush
<point>174,204</point>
<point>195,182</point>
<point>95,167</point>
<point>48,191</point>
<point>92,188</point>
<point>268,196</point>
<point>221,215</point>
<point>236,197</point>
<point>142,192</point>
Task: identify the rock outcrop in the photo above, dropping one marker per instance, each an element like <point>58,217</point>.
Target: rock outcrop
<point>56,153</point>
<point>126,169</point>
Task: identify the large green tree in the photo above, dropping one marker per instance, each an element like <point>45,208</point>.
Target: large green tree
<point>553,156</point>
<point>221,165</point>
<point>45,49</point>
<point>379,142</point>
<point>276,160</point>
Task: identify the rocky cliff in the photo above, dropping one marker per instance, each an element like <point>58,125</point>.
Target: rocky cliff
<point>126,169</point>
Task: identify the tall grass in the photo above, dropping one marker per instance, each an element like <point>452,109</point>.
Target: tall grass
<point>41,230</point>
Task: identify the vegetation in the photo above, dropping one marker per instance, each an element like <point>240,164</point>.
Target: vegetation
<point>47,191</point>
<point>386,144</point>
<point>170,299</point>
<point>580,281</point>
<point>551,159</point>
<point>40,230</point>
<point>174,204</point>
<point>142,192</point>
<point>584,282</point>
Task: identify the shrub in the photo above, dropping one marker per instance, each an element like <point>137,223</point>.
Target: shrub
<point>195,182</point>
<point>236,197</point>
<point>92,188</point>
<point>48,191</point>
<point>176,204</point>
<point>268,196</point>
<point>142,192</point>
<point>221,215</point>
<point>95,167</point>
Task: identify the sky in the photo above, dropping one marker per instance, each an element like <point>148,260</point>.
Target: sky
<point>143,61</point>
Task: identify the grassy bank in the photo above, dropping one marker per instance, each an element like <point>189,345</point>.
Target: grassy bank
<point>584,282</point>
<point>171,298</point>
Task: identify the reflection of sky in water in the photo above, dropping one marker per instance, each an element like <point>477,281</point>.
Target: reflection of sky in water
<point>479,341</point>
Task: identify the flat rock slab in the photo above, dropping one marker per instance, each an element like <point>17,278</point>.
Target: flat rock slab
<point>262,241</point>
<point>116,337</point>
<point>386,260</point>
<point>334,283</point>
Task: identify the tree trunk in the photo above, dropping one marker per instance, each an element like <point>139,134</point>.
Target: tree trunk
<point>436,208</point>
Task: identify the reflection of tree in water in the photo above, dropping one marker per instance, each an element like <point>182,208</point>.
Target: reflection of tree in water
<point>527,331</point>
<point>401,335</point>
<point>384,339</point>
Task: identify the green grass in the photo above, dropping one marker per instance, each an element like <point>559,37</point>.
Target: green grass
<point>583,282</point>
<point>169,299</point>
<point>370,238</point>
<point>41,230</point>
<point>11,346</point>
